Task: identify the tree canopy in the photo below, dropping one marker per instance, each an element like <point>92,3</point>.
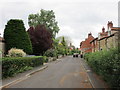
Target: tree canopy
<point>44,17</point>
<point>40,38</point>
<point>66,39</point>
<point>16,36</point>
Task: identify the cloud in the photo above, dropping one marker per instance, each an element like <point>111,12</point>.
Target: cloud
<point>76,18</point>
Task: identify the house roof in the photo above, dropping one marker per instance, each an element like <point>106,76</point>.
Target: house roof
<point>86,43</point>
<point>115,28</point>
<point>106,37</point>
<point>82,43</point>
<point>94,39</point>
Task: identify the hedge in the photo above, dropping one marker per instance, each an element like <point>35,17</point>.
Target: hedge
<point>12,66</point>
<point>107,65</point>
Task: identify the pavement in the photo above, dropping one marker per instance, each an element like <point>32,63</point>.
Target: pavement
<point>67,72</point>
<point>95,80</point>
<point>10,80</point>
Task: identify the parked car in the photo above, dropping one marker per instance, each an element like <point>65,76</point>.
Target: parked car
<point>75,54</point>
<point>81,55</point>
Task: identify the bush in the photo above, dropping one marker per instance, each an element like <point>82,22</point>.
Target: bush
<point>86,56</point>
<point>45,59</point>
<point>106,64</point>
<point>16,53</point>
<point>11,66</point>
<point>51,53</point>
<point>16,36</point>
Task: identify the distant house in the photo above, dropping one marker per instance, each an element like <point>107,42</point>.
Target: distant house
<point>71,47</point>
<point>85,46</point>
<point>2,46</point>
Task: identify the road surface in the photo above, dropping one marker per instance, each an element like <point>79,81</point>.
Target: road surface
<point>67,72</point>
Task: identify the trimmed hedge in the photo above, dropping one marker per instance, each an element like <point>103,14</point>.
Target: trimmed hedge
<point>12,66</point>
<point>106,64</point>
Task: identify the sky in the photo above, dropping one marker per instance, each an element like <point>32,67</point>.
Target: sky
<point>76,18</point>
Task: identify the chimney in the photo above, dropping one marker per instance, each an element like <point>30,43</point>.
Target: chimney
<point>109,25</point>
<point>103,30</point>
<point>90,34</point>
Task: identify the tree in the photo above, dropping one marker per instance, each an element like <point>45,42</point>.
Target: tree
<point>46,18</point>
<point>63,42</point>
<point>66,38</point>
<point>62,46</point>
<point>40,38</point>
<point>16,37</point>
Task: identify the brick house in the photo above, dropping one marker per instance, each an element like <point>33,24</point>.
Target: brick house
<point>111,40</point>
<point>94,44</point>
<point>85,46</point>
<point>106,40</point>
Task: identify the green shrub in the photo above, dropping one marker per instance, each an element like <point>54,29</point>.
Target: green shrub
<point>12,66</point>
<point>51,53</point>
<point>45,59</point>
<point>106,64</point>
<point>16,36</point>
<point>86,56</point>
<point>16,53</point>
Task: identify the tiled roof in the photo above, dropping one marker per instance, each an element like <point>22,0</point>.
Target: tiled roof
<point>94,39</point>
<point>115,28</point>
<point>106,37</point>
<point>105,33</point>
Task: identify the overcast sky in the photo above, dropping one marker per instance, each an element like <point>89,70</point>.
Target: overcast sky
<point>76,18</point>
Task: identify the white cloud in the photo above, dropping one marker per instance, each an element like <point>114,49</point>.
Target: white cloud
<point>76,18</point>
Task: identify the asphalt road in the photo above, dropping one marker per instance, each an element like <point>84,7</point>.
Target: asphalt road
<point>67,72</point>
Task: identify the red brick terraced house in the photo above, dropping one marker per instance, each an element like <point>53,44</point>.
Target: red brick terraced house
<point>85,46</point>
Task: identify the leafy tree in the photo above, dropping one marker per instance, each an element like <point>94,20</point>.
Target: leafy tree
<point>66,38</point>
<point>40,38</point>
<point>16,37</point>
<point>61,45</point>
<point>46,18</point>
<point>74,50</point>
<point>63,42</point>
<point>61,49</point>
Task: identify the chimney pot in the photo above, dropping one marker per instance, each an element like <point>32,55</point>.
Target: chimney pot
<point>103,30</point>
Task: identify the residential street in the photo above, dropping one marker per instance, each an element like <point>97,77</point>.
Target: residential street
<point>67,72</point>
